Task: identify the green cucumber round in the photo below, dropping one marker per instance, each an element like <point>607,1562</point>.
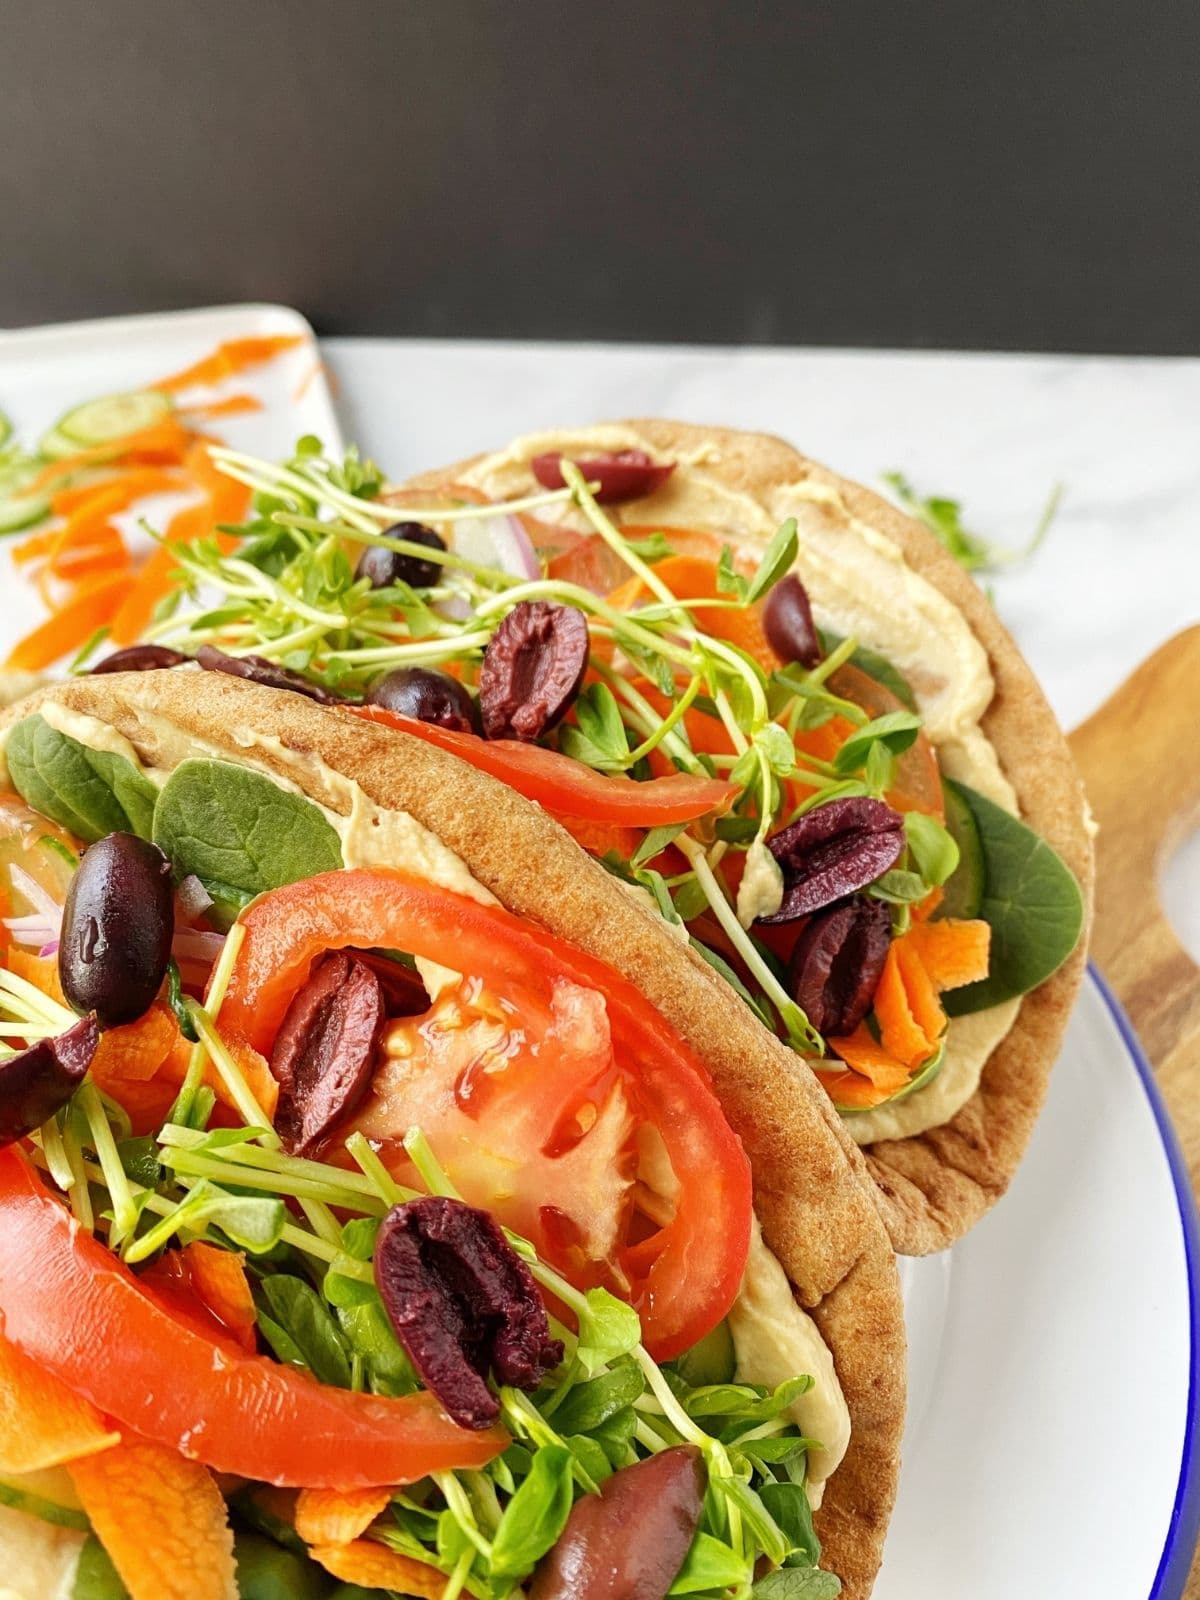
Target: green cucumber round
<point>112,417</point>
<point>963,892</point>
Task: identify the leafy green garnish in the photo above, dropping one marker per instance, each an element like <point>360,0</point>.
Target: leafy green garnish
<point>873,665</point>
<point>1031,902</point>
<point>235,829</point>
<point>943,518</point>
<point>89,792</point>
<point>301,1330</point>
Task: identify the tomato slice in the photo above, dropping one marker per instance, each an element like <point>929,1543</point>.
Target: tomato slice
<point>80,1314</point>
<point>549,1086</point>
<point>567,788</point>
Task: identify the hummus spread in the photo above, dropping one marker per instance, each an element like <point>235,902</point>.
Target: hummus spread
<point>860,585</point>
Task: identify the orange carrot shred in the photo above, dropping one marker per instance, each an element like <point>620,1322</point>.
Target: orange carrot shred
<point>219,1278</point>
<point>923,1003</point>
<point>162,1521</point>
<point>135,1051</point>
<point>90,608</point>
<point>234,406</point>
<point>952,951</point>
<point>871,1059</point>
<point>229,358</point>
<point>374,1566</point>
<point>333,1516</point>
<point>901,1032</point>
<point>42,1422</point>
<point>852,1091</point>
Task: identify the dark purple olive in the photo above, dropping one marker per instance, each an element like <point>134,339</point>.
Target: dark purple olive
<point>141,658</point>
<point>37,1082</point>
<point>117,928</point>
<point>621,475</point>
<point>324,1052</point>
<point>428,696</point>
<point>788,623</point>
<point>257,669</point>
<point>385,567</point>
<point>532,669</point>
<point>629,1541</point>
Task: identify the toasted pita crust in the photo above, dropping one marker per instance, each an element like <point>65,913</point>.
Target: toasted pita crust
<point>933,1186</point>
<point>817,1212</point>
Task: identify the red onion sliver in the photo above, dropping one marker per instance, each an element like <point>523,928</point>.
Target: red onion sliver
<point>41,900</point>
<point>191,945</point>
<point>50,949</point>
<point>192,898</point>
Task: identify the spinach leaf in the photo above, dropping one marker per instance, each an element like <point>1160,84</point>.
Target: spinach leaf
<point>874,665</point>
<point>536,1514</point>
<point>236,830</point>
<point>91,793</point>
<point>798,1583</point>
<point>299,1328</point>
<point>265,1571</point>
<point>1030,900</point>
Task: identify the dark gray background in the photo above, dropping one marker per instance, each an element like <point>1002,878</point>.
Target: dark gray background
<point>1009,175</point>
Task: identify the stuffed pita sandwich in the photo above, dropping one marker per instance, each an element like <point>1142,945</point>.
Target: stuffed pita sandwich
<point>389,1195</point>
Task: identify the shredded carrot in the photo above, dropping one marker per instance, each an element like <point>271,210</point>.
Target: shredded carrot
<point>952,951</point>
<point>42,1422</point>
<point>374,1566</point>
<point>852,1091</point>
<point>136,1051</point>
<point>307,381</point>
<point>161,444</point>
<point>871,1059</point>
<point>40,971</point>
<point>219,1278</point>
<point>91,607</point>
<point>336,1516</point>
<point>692,577</point>
<point>907,1008</point>
<point>116,493</point>
<point>234,406</point>
<point>230,358</point>
<point>162,1520</point>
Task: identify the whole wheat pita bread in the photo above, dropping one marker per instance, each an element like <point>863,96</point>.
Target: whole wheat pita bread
<point>817,1212</point>
<point>934,1186</point>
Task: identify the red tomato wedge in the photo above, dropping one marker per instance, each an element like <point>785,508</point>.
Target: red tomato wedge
<point>550,1088</point>
<point>81,1315</point>
<point>565,787</point>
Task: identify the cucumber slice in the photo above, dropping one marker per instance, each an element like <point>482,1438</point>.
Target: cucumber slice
<point>963,892</point>
<point>21,507</point>
<point>6,428</point>
<point>54,445</point>
<point>711,1361</point>
<point>113,416</point>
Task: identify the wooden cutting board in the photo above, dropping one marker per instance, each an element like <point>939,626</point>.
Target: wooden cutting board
<point>1140,758</point>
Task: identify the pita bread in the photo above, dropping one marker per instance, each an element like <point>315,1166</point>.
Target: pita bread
<point>818,1214</point>
<point>934,1186</point>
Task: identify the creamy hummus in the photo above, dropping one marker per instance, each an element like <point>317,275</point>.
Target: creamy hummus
<point>775,1340</point>
<point>860,585</point>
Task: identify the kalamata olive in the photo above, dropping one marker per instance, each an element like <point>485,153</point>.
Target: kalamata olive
<point>427,695</point>
<point>621,474</point>
<point>837,962</point>
<point>324,1051</point>
<point>462,1301</point>
<point>629,1541</point>
<point>37,1082</point>
<point>833,851</point>
<point>257,669</point>
<point>117,928</point>
<point>788,623</point>
<point>141,658</point>
<point>385,567</point>
<point>532,669</point>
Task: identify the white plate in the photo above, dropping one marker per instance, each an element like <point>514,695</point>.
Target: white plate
<point>45,371</point>
<point>1052,1437</point>
<point>1054,1410</point>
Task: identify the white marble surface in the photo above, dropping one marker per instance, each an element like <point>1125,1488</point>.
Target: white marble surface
<point>1117,575</point>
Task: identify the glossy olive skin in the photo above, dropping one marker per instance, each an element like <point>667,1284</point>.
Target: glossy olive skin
<point>629,1541</point>
<point>385,567</point>
<point>37,1082</point>
<point>141,658</point>
<point>427,695</point>
<point>117,928</point>
<point>788,623</point>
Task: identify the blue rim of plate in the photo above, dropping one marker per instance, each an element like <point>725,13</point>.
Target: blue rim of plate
<point>1184,1526</point>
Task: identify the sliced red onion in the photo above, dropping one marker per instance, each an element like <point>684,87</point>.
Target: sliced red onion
<point>41,900</point>
<point>190,944</point>
<point>34,929</point>
<point>500,542</point>
<point>50,949</point>
<point>192,899</point>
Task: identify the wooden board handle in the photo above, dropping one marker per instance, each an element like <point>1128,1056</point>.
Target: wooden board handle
<point>1141,763</point>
